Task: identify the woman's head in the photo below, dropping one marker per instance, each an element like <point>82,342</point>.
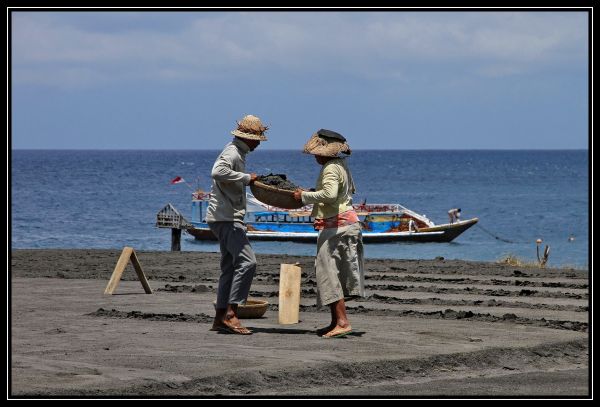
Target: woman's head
<point>327,143</point>
<point>322,160</point>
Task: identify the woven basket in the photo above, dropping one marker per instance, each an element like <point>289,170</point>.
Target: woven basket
<point>270,195</point>
<point>251,309</point>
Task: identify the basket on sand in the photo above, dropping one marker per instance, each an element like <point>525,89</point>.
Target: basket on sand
<point>251,309</point>
<point>273,196</point>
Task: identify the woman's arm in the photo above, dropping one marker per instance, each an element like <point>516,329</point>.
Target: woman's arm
<point>329,192</point>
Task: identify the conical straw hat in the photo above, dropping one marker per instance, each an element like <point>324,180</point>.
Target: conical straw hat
<point>250,127</point>
<point>327,143</point>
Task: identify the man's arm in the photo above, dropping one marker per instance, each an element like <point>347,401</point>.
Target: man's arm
<point>222,170</point>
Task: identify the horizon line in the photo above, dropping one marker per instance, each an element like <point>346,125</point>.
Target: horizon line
<point>297,150</point>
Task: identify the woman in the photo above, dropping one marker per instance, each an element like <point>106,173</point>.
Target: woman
<point>339,262</point>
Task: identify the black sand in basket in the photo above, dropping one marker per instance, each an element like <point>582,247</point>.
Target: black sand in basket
<point>275,190</point>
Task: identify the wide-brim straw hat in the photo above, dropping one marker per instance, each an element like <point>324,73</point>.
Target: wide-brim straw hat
<point>327,143</point>
<point>251,128</point>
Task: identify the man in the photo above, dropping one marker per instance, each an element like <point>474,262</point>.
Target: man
<point>454,215</point>
<point>225,217</point>
<point>339,263</point>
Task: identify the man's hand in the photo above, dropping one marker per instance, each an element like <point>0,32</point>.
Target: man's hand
<point>253,178</point>
<point>298,195</point>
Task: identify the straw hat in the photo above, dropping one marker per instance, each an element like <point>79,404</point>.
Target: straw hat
<point>327,143</point>
<point>251,128</point>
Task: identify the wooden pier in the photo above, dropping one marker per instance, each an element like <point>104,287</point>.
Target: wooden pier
<point>169,217</point>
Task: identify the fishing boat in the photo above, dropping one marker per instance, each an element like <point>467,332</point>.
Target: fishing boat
<point>380,223</point>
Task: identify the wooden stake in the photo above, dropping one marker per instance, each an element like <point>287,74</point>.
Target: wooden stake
<point>289,294</point>
<point>175,240</point>
<point>127,254</point>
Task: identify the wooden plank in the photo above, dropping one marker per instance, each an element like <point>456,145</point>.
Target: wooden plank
<point>138,269</point>
<point>118,272</point>
<point>289,294</point>
<point>127,254</point>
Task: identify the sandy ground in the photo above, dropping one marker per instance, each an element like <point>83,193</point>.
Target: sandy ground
<point>426,328</point>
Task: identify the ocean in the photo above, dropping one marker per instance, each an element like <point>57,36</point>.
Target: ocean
<point>107,199</point>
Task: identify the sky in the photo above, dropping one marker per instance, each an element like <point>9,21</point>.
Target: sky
<point>383,79</point>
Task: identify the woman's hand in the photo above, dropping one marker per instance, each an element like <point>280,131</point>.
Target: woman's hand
<point>298,195</point>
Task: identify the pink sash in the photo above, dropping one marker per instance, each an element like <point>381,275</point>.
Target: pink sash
<point>343,219</point>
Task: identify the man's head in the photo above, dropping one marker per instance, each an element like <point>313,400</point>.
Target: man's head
<point>251,131</point>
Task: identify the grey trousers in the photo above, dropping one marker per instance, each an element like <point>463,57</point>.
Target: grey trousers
<point>238,263</point>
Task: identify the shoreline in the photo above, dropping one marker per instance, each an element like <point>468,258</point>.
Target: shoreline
<point>425,328</point>
<point>105,254</point>
<point>522,261</point>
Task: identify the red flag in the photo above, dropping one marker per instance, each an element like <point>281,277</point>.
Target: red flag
<point>177,180</point>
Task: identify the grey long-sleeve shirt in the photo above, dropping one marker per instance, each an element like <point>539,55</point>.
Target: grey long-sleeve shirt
<point>228,194</point>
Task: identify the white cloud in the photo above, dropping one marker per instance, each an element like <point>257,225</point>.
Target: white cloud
<point>56,48</point>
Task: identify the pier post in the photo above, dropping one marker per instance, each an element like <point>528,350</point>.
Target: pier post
<point>175,240</point>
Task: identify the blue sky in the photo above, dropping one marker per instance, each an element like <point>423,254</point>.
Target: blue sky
<point>385,80</point>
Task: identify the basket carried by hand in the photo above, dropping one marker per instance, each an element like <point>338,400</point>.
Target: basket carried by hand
<point>281,198</point>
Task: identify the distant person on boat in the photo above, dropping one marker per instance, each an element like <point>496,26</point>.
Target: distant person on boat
<point>225,217</point>
<point>412,226</point>
<point>454,215</point>
<point>339,262</point>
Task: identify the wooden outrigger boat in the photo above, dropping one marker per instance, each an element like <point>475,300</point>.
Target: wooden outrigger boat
<point>380,223</point>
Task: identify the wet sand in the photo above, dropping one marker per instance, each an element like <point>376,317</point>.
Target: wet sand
<point>426,328</point>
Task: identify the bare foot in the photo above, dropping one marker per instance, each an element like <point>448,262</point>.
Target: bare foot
<point>326,329</point>
<point>338,332</point>
<point>236,329</point>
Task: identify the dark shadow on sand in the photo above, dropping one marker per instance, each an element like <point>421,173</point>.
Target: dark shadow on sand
<point>286,331</point>
<point>293,331</point>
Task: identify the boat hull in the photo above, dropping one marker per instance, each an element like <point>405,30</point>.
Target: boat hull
<point>440,233</point>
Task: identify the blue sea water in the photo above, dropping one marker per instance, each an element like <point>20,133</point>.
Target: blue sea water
<point>109,199</point>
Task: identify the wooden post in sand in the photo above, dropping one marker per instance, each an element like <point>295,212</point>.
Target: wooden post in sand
<point>127,254</point>
<point>175,240</point>
<point>289,293</point>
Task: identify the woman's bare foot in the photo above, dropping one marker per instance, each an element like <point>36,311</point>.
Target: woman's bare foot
<point>338,332</point>
<point>326,329</point>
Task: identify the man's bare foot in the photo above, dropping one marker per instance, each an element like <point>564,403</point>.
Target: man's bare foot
<point>236,328</point>
<point>232,329</point>
<point>227,321</point>
<point>230,324</point>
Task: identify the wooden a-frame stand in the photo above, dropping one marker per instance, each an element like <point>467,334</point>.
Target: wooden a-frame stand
<point>127,254</point>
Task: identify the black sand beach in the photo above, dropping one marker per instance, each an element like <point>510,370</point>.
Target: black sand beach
<point>427,328</point>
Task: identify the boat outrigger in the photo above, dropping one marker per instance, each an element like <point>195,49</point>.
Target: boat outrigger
<point>380,222</point>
